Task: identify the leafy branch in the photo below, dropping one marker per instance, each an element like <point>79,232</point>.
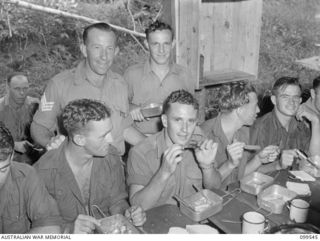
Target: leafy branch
<point>70,15</point>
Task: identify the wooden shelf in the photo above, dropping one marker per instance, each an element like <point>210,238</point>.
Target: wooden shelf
<point>224,76</point>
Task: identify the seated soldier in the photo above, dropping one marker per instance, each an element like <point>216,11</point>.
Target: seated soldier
<point>25,204</point>
<point>154,80</point>
<point>163,165</point>
<point>85,173</point>
<point>285,126</point>
<point>238,105</point>
<point>16,112</point>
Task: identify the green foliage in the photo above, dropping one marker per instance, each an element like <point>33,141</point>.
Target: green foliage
<point>37,43</point>
<point>289,32</point>
<point>43,44</point>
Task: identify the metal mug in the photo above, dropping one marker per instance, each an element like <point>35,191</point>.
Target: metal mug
<point>254,223</point>
<point>298,210</point>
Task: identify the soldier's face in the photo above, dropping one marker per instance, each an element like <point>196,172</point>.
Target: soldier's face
<point>18,89</point>
<point>100,50</point>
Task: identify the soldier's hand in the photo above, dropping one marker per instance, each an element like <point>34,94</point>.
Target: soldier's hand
<point>171,157</point>
<point>85,224</point>
<point>137,115</point>
<point>235,151</point>
<point>55,142</point>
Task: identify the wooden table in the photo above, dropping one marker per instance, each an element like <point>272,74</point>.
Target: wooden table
<point>229,219</point>
<point>160,219</point>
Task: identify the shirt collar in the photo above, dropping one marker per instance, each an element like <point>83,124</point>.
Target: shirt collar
<point>173,68</point>
<point>293,125</point>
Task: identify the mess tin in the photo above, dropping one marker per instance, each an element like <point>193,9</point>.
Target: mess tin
<point>255,182</point>
<point>151,110</point>
<point>201,205</point>
<point>274,198</point>
<point>116,224</point>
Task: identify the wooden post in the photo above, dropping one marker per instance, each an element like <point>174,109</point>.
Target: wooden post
<point>187,14</point>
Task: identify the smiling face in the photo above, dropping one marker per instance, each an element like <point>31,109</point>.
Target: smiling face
<point>100,49</point>
<point>160,45</point>
<point>287,100</point>
<point>97,137</point>
<point>18,89</point>
<point>248,112</point>
<point>180,122</point>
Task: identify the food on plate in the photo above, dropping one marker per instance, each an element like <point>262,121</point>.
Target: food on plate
<point>201,204</point>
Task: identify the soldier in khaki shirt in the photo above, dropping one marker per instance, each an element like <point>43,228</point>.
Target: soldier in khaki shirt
<point>92,79</point>
<point>25,204</point>
<point>16,113</point>
<point>154,80</point>
<point>85,173</point>
<point>163,165</point>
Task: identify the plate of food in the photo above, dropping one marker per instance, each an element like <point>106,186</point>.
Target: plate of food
<point>116,224</point>
<point>201,205</point>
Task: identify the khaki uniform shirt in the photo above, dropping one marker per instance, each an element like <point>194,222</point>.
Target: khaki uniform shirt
<point>25,201</point>
<point>145,87</point>
<point>268,130</point>
<point>214,131</point>
<point>73,84</point>
<point>107,184</point>
<point>18,120</point>
<point>145,160</point>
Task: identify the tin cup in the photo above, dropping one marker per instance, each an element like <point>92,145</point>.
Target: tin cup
<point>299,210</point>
<point>254,223</point>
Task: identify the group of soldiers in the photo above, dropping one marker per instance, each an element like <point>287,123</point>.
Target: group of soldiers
<point>86,115</point>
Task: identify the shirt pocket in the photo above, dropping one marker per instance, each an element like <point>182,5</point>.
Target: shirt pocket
<point>13,222</point>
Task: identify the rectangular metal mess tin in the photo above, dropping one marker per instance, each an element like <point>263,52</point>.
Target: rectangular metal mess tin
<point>201,205</point>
